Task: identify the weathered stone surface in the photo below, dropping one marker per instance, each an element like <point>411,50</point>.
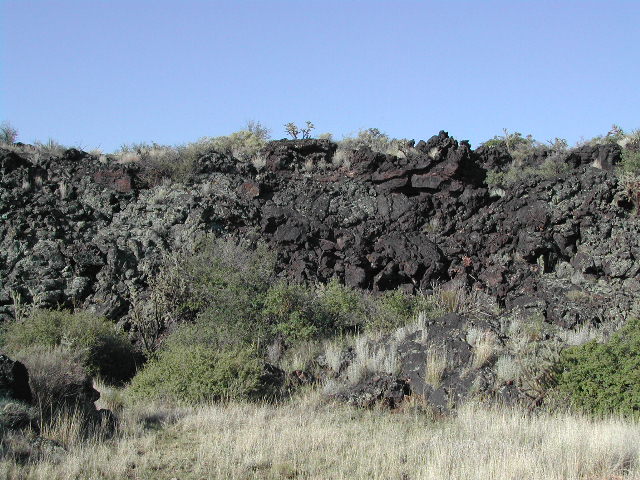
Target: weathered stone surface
<point>380,390</point>
<point>78,230</point>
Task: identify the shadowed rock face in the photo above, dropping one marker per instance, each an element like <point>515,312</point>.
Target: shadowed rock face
<point>75,230</point>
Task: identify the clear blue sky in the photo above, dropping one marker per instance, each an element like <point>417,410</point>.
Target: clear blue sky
<point>103,73</point>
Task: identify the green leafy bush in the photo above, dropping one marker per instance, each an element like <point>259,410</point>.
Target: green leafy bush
<point>222,268</point>
<point>347,309</point>
<point>196,373</point>
<point>393,309</point>
<point>631,161</point>
<point>290,310</point>
<point>299,313</point>
<point>106,350</point>
<point>604,378</point>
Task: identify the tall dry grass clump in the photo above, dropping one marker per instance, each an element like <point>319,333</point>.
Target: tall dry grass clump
<point>309,439</point>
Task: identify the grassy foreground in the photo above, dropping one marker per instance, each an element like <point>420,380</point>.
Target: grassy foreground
<point>310,439</point>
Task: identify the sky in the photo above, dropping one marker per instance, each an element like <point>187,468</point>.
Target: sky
<point>100,73</point>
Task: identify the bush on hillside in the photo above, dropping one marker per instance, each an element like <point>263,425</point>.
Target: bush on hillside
<point>377,141</point>
<point>604,378</point>
<point>221,267</point>
<point>347,309</point>
<point>8,134</point>
<point>195,373</point>
<point>243,145</point>
<point>292,312</point>
<point>631,160</point>
<point>395,308</point>
<point>105,350</point>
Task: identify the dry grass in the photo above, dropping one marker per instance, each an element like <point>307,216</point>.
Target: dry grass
<point>455,297</point>
<point>308,439</point>
<point>436,364</point>
<point>485,346</point>
<point>372,357</point>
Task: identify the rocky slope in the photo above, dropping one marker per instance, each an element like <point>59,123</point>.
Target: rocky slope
<point>561,245</point>
<point>81,231</point>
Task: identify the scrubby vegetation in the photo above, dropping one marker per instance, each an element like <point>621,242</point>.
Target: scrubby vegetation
<point>100,346</point>
<point>8,134</point>
<point>195,373</point>
<point>226,344</point>
<point>604,378</point>
<point>177,163</point>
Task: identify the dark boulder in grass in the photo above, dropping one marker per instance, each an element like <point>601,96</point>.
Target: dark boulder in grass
<point>14,380</point>
<point>379,390</point>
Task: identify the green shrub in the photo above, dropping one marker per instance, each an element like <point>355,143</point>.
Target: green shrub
<point>106,350</point>
<point>347,309</point>
<point>519,146</point>
<point>214,295</point>
<point>393,309</point>
<point>290,310</point>
<point>230,322</point>
<point>604,378</point>
<point>631,161</point>
<point>299,313</point>
<point>495,178</point>
<point>220,268</point>
<point>195,373</point>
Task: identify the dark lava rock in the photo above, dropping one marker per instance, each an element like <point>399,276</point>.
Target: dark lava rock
<point>78,231</point>
<point>380,390</point>
<point>14,380</point>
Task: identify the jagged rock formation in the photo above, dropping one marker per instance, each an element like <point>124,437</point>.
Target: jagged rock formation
<point>81,231</point>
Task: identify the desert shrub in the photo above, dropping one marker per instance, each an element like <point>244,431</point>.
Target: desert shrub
<point>393,309</point>
<point>165,303</point>
<point>631,161</point>
<point>291,311</point>
<point>516,144</point>
<point>377,141</point>
<point>230,322</point>
<point>346,309</point>
<point>50,148</point>
<point>222,288</point>
<point>495,178</point>
<point>221,267</point>
<point>552,168</point>
<point>158,162</point>
<point>196,373</point>
<point>243,145</point>
<point>8,134</point>
<point>298,313</point>
<point>293,130</point>
<point>105,350</point>
<point>604,378</point>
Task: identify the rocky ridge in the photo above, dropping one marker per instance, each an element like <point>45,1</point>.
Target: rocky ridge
<point>85,232</point>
